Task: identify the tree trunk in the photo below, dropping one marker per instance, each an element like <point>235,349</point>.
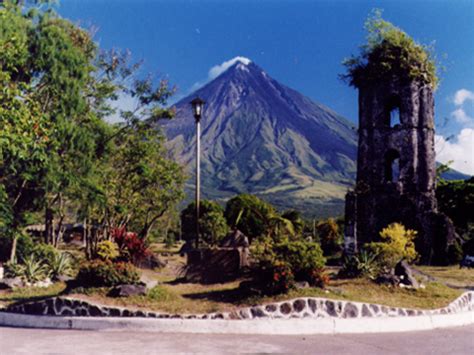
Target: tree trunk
<point>13,249</point>
<point>48,225</point>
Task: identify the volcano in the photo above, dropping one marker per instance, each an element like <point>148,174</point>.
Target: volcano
<point>261,137</point>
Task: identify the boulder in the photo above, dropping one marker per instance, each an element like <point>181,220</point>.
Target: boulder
<point>404,272</point>
<point>235,239</point>
<point>388,279</point>
<point>10,283</point>
<point>128,290</point>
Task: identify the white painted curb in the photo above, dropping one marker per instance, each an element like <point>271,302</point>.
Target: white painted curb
<point>256,326</point>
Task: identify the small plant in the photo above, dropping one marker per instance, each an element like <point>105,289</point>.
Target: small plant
<point>45,252</point>
<point>107,250</point>
<point>100,273</point>
<point>34,270</point>
<point>13,270</point>
<point>131,246</point>
<point>397,244</point>
<point>363,264</point>
<point>61,265</point>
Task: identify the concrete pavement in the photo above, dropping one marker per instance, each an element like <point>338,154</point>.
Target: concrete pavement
<point>14,341</point>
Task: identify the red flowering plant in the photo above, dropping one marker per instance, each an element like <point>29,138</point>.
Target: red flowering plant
<point>131,246</point>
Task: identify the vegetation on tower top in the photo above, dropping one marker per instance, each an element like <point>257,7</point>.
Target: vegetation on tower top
<point>390,52</point>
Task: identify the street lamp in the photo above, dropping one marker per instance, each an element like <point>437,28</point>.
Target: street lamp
<point>198,105</point>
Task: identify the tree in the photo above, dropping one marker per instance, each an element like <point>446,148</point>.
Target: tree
<point>212,224</point>
<point>254,214</point>
<point>330,237</point>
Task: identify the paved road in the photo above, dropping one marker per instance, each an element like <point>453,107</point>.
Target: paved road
<point>38,341</point>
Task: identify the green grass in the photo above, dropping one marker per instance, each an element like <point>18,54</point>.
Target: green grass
<point>30,294</point>
<point>452,275</point>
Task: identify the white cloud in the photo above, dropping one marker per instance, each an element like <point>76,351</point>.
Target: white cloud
<point>463,95</point>
<point>461,116</point>
<point>217,70</point>
<point>460,151</point>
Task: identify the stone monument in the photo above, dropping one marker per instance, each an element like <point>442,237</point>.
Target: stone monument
<point>396,168</point>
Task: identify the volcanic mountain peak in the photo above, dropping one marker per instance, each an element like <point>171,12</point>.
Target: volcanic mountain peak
<point>259,136</point>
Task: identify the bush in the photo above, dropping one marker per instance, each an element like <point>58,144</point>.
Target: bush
<point>100,273</point>
<point>280,263</point>
<point>33,270</point>
<point>45,252</point>
<point>107,250</point>
<point>363,264</point>
<point>397,244</point>
<point>131,247</point>
<point>60,265</point>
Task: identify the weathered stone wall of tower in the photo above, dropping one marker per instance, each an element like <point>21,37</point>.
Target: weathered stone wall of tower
<point>396,168</point>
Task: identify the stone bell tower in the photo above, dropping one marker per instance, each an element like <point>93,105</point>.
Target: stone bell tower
<point>396,168</point>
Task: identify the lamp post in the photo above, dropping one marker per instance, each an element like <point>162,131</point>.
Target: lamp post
<point>198,105</point>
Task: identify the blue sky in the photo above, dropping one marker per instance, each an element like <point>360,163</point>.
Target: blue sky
<point>300,43</point>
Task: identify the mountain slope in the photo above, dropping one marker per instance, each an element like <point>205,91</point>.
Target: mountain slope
<point>261,137</point>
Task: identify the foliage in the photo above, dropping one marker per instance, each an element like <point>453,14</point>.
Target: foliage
<point>99,273</point>
<point>397,244</point>
<point>13,270</point>
<point>107,250</point>
<point>330,236</point>
<point>456,200</point>
<point>131,247</point>
<point>296,220</point>
<point>389,52</point>
<point>45,252</point>
<point>24,246</point>
<point>212,224</point>
<point>280,263</point>
<point>33,270</point>
<point>362,264</point>
<point>60,265</point>
<point>254,214</point>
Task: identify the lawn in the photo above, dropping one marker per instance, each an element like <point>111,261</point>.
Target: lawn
<point>453,275</point>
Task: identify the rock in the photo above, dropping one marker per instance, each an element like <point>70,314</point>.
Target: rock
<point>403,271</point>
<point>152,262</point>
<point>10,283</point>
<point>2,272</point>
<point>64,278</point>
<point>388,279</point>
<point>44,283</point>
<point>128,290</point>
<point>235,239</point>
<point>302,284</point>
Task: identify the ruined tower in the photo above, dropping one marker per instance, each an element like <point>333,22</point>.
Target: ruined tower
<point>396,168</point>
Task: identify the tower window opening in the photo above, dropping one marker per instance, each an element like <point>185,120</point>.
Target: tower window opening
<point>393,111</point>
<point>392,166</point>
<point>395,117</point>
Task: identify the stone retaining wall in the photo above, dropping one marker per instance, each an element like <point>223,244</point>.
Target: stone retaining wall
<point>307,307</point>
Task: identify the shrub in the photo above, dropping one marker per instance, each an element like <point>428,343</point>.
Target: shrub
<point>13,270</point>
<point>131,247</point>
<point>390,52</point>
<point>280,263</point>
<point>397,244</point>
<point>100,273</point>
<point>45,252</point>
<point>363,264</point>
<point>33,270</point>
<point>60,265</point>
<point>107,250</point>
<point>24,247</point>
